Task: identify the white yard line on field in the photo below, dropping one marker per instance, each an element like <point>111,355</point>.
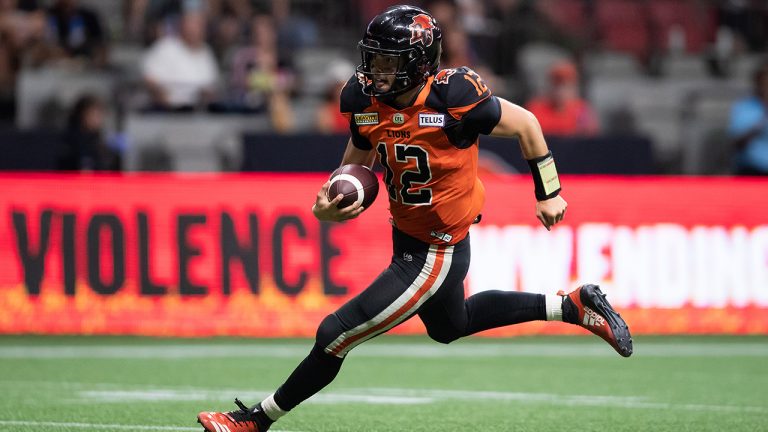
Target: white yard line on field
<point>639,402</point>
<point>94,426</point>
<point>404,396</point>
<point>105,393</point>
<point>402,350</point>
<point>188,395</point>
<point>98,426</point>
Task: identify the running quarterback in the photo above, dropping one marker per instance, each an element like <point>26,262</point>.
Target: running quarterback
<point>422,124</point>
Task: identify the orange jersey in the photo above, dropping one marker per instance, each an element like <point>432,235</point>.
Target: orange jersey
<point>429,151</point>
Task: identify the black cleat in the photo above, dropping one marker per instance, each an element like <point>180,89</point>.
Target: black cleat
<point>243,420</point>
<point>587,306</point>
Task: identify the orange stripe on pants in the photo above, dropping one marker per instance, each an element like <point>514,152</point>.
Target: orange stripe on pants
<point>422,290</point>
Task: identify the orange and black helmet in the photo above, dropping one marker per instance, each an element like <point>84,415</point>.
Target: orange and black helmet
<point>410,35</point>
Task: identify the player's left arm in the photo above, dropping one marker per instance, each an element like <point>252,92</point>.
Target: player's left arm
<point>515,121</point>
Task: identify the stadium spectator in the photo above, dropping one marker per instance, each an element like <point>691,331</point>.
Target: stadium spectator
<point>22,22</point>
<point>254,67</point>
<point>294,32</point>
<point>329,119</point>
<point>22,26</point>
<point>181,72</point>
<point>520,22</point>
<point>76,32</point>
<point>561,111</point>
<point>229,21</point>
<point>258,83</point>
<point>149,20</point>
<point>457,50</point>
<point>749,127</point>
<point>85,147</point>
<point>748,20</point>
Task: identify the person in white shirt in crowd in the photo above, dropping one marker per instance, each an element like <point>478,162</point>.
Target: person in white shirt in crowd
<point>181,72</point>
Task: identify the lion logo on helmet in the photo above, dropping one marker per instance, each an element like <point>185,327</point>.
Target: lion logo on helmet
<point>421,29</point>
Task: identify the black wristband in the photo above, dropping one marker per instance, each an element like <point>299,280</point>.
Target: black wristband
<point>545,180</point>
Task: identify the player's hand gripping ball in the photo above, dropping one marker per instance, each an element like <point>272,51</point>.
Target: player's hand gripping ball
<point>356,182</point>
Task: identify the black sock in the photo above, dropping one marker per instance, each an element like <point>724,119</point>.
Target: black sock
<point>491,309</point>
<point>316,371</point>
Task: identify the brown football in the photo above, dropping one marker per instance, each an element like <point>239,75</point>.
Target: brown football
<point>356,183</point>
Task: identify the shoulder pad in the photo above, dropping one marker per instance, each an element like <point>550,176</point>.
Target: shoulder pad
<point>352,97</point>
<point>460,87</point>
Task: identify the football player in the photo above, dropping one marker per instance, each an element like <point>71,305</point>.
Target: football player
<point>422,125</point>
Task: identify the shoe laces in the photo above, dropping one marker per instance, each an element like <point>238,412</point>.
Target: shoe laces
<point>243,415</point>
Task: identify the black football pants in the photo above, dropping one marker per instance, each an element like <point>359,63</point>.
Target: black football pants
<point>422,279</point>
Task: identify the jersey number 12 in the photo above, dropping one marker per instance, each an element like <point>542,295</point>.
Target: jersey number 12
<point>401,190</point>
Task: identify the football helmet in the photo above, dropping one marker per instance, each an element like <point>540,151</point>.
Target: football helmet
<point>405,37</point>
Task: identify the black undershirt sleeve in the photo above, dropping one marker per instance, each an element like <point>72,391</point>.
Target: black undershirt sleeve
<point>358,140</point>
<point>483,118</point>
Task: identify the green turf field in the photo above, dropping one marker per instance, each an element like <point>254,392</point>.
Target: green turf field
<point>391,384</point>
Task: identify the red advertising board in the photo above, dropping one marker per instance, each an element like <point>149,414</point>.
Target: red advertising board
<point>199,255</point>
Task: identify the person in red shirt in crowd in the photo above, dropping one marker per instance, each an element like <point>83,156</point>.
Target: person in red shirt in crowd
<point>562,111</point>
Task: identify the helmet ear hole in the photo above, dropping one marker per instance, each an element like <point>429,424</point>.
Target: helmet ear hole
<point>424,67</point>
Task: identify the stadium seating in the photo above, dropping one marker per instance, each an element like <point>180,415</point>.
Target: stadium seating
<point>535,60</point>
<point>706,147</point>
<point>682,19</point>
<point>45,95</point>
<point>193,142</point>
<point>675,108</point>
<point>622,25</point>
<point>568,15</point>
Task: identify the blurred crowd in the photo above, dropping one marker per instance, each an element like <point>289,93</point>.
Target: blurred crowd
<point>249,57</point>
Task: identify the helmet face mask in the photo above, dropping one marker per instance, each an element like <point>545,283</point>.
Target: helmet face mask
<point>400,49</point>
<point>393,66</point>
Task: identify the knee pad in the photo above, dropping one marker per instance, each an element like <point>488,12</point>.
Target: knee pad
<point>330,329</point>
<point>443,335</point>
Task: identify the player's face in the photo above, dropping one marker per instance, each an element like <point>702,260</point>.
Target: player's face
<point>384,68</point>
